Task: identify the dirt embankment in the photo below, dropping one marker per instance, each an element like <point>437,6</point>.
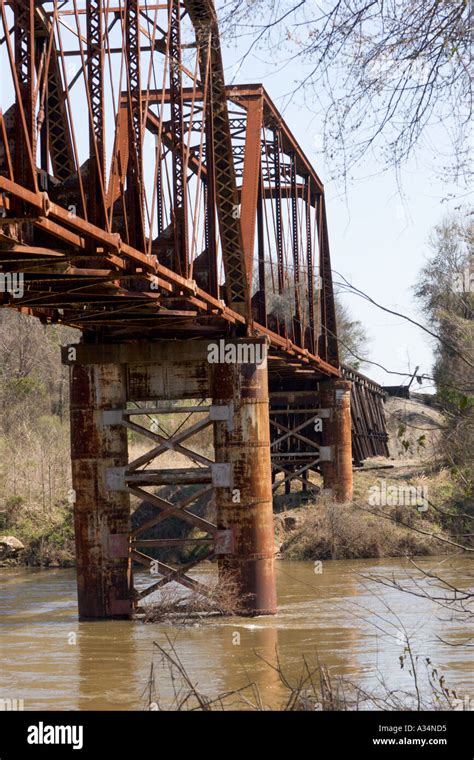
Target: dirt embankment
<point>363,529</point>
<point>399,506</point>
<point>414,430</point>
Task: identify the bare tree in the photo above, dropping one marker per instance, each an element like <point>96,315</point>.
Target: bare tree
<point>352,336</point>
<point>382,74</point>
<point>446,291</point>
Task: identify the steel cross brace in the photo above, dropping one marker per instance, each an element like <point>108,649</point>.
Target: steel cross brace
<point>315,452</point>
<point>212,474</point>
<point>294,474</point>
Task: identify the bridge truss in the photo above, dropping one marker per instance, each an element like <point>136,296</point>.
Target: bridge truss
<point>146,203</point>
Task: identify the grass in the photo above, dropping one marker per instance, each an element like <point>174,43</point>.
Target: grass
<point>321,530</point>
<point>316,689</point>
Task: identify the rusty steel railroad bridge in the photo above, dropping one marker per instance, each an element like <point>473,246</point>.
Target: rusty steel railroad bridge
<point>164,214</point>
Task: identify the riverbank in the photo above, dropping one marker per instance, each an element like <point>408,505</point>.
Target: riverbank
<point>362,529</point>
<point>47,537</point>
<point>312,529</point>
<point>407,505</point>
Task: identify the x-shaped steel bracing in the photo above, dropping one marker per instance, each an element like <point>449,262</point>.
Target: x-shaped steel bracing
<point>135,478</point>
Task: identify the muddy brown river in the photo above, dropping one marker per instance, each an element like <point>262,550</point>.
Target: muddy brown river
<point>350,623</point>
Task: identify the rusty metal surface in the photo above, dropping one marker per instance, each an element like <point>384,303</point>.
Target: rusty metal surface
<point>369,432</point>
<point>96,107</point>
<point>246,508</point>
<point>103,573</point>
<point>237,285</point>
<point>137,476</point>
<point>335,395</point>
<point>253,181</point>
<point>289,400</point>
<point>295,435</point>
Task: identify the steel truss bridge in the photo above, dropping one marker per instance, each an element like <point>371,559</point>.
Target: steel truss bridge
<point>159,211</point>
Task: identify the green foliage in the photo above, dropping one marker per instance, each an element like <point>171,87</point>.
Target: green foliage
<point>406,444</point>
<point>13,502</point>
<point>20,388</point>
<point>10,512</point>
<point>49,542</point>
<point>454,399</point>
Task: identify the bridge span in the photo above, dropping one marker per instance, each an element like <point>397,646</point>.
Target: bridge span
<point>176,222</point>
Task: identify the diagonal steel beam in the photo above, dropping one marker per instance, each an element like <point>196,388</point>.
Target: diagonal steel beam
<point>203,17</point>
<point>171,509</point>
<point>171,574</point>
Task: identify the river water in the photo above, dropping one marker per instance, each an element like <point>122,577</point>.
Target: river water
<point>353,625</point>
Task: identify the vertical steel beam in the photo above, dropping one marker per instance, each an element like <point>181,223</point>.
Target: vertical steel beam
<point>56,132</point>
<point>42,124</point>
<point>159,189</point>
<point>177,125</point>
<point>101,516</point>
<point>210,198</point>
<point>25,149</point>
<point>204,19</point>
<point>95,77</point>
<point>335,395</point>
<point>278,214</point>
<point>309,260</point>
<point>262,297</point>
<point>135,195</point>
<point>251,177</point>
<point>328,345</point>
<point>245,508</point>
<point>57,120</point>
<point>296,253</point>
<point>120,158</point>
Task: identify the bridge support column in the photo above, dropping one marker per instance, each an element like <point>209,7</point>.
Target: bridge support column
<point>245,508</point>
<point>335,395</point>
<point>101,516</point>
